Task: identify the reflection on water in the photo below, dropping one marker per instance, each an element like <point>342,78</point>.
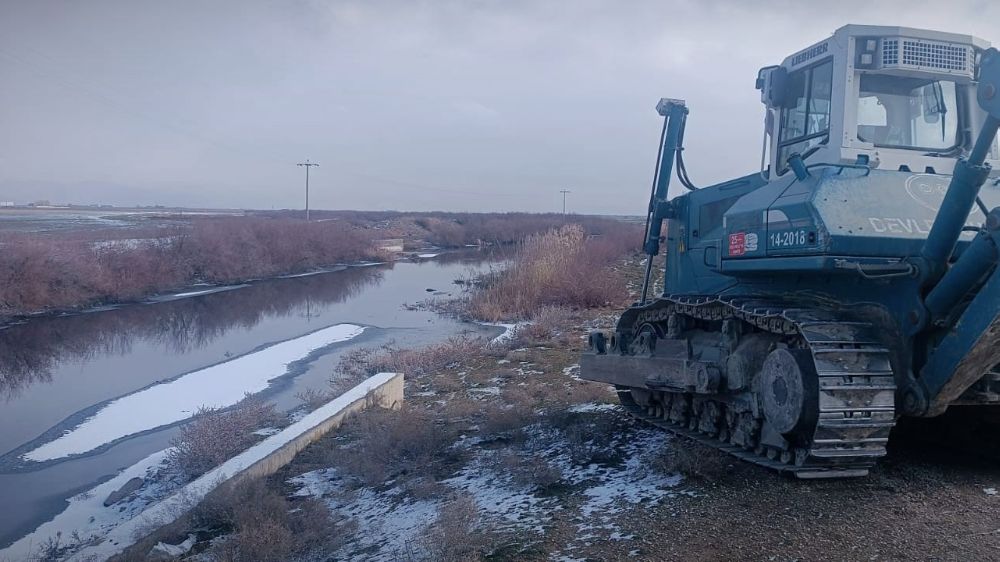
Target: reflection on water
<point>30,351</point>
<point>55,372</point>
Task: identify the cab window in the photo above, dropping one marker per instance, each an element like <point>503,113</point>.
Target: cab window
<point>912,113</point>
<point>805,119</point>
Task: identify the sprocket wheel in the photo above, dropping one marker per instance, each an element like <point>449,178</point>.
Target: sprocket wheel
<point>789,393</point>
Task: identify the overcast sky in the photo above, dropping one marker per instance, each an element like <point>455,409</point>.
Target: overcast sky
<point>466,106</point>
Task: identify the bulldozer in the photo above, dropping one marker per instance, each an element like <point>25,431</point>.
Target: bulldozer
<point>850,281</point>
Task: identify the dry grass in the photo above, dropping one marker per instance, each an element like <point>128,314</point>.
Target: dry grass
<point>505,420</point>
<point>214,436</point>
<point>258,524</point>
<point>458,229</point>
<point>43,272</point>
<point>551,325</point>
<point>313,399</point>
<point>364,362</point>
<point>562,268</point>
<point>70,269</point>
<point>459,535</point>
<point>390,443</point>
<point>529,470</point>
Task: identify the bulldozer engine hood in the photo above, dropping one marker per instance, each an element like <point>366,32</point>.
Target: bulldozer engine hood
<point>842,211</point>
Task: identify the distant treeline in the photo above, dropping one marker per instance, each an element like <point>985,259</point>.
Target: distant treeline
<point>72,269</point>
<point>45,272</point>
<point>459,229</point>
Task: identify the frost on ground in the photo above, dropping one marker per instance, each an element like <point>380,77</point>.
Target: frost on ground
<point>391,524</point>
<point>587,466</point>
<point>217,386</point>
<point>591,407</point>
<point>573,371</point>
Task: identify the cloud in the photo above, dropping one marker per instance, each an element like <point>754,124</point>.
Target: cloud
<point>447,104</point>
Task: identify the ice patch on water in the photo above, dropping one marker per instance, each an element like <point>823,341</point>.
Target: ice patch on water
<point>162,404</point>
<point>86,514</point>
<point>122,535</point>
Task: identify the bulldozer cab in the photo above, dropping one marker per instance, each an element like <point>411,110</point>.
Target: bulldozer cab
<point>892,98</point>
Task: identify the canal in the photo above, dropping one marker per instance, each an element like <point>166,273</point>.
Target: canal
<point>86,395</point>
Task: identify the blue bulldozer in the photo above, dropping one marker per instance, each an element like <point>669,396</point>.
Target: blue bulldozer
<point>851,281</point>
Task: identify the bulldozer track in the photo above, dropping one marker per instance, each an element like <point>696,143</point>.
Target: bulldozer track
<point>856,386</point>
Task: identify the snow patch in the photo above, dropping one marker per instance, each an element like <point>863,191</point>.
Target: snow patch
<point>116,539</point>
<point>86,514</point>
<point>392,525</point>
<point>508,331</point>
<point>197,293</point>
<point>485,390</point>
<point>573,372</point>
<point>498,497</point>
<point>591,407</point>
<point>611,489</point>
<point>162,404</point>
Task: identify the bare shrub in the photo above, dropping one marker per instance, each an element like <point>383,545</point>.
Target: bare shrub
<point>367,361</point>
<point>586,436</point>
<point>214,436</point>
<point>458,535</point>
<point>499,420</point>
<point>529,470</point>
<point>551,324</point>
<point>462,408</point>
<point>313,398</point>
<point>231,249</point>
<point>457,229</point>
<point>44,271</point>
<point>261,525</point>
<point>393,442</point>
<point>447,382</point>
<point>559,268</point>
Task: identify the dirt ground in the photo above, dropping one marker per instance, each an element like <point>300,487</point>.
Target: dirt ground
<point>502,453</point>
<point>922,502</point>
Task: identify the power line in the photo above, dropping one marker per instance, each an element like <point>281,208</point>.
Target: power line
<point>307,165</point>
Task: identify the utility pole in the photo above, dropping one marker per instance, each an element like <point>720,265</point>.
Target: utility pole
<point>308,165</point>
<point>564,192</point>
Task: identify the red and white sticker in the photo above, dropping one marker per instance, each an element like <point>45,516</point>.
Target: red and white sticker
<point>737,244</point>
<point>742,242</point>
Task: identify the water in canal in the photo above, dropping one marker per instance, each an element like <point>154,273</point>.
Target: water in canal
<point>83,396</point>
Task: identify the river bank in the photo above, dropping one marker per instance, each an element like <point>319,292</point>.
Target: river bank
<point>58,372</point>
<point>62,264</point>
<point>485,422</point>
<point>503,453</point>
